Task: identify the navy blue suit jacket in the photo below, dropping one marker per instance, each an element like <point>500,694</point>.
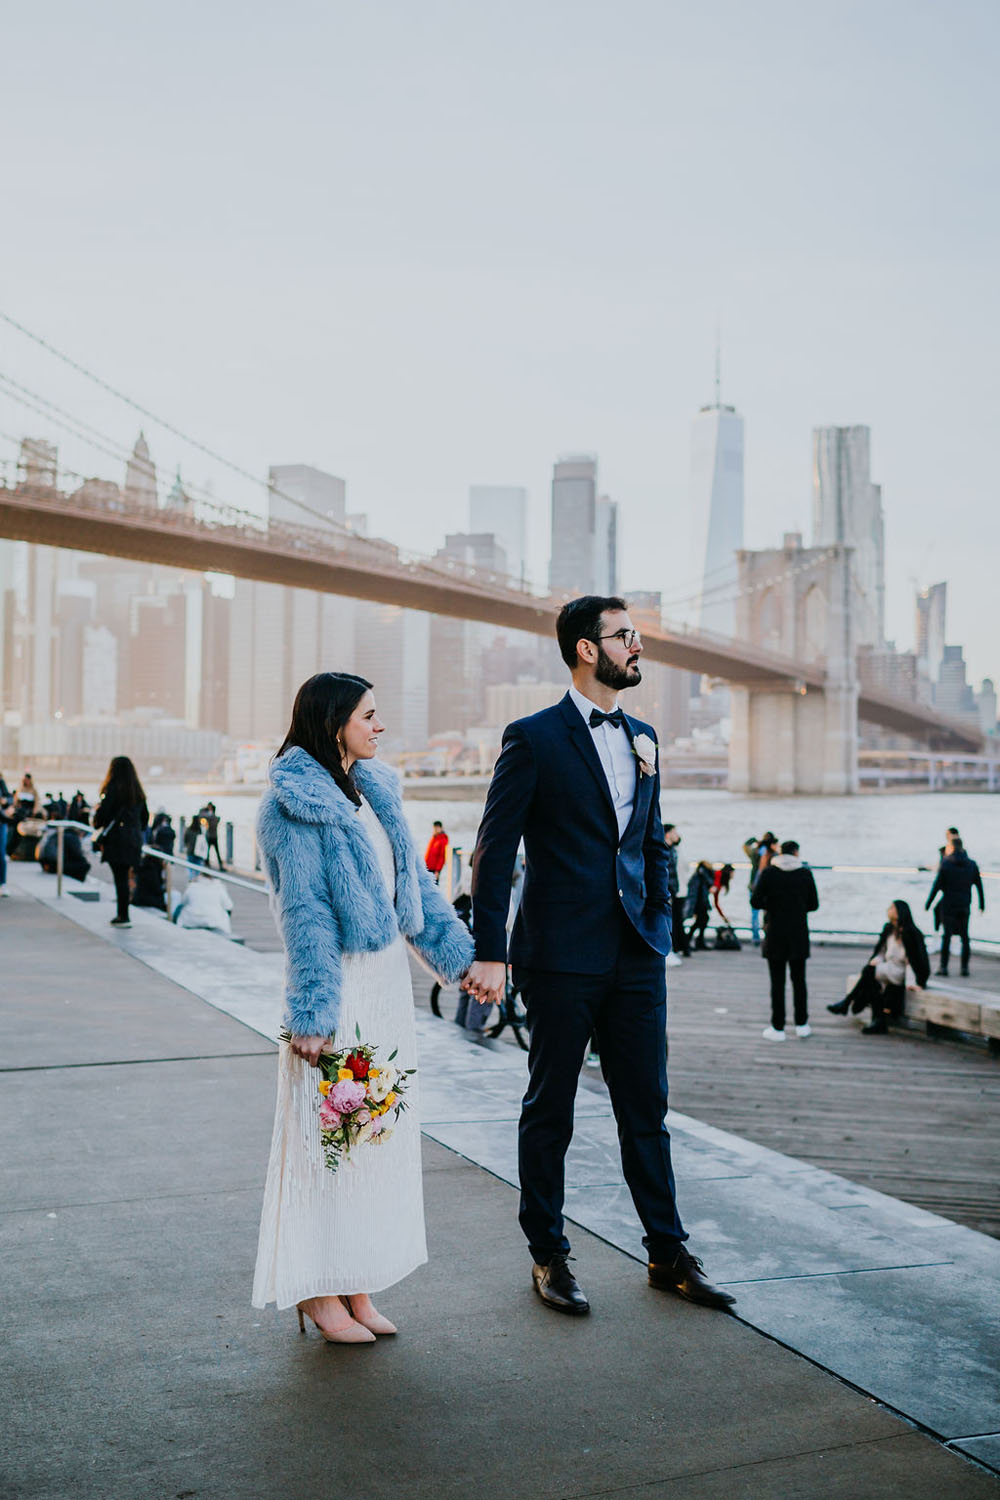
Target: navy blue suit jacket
<point>549,788</point>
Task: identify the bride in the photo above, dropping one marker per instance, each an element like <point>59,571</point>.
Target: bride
<point>347,888</point>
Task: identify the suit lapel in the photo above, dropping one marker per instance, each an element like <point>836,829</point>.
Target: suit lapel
<point>640,799</point>
<point>580,735</point>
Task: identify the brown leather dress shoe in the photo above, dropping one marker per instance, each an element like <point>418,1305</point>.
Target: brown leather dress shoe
<point>558,1288</point>
<point>683,1275</point>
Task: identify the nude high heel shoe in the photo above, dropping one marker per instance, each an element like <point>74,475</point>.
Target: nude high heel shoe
<point>373,1320</point>
<point>344,1333</point>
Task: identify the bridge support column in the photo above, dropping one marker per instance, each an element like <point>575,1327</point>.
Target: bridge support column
<point>786,743</point>
<point>786,740</point>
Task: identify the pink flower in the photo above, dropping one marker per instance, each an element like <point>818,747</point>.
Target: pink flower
<point>329,1118</point>
<point>346,1096</point>
<point>362,1117</point>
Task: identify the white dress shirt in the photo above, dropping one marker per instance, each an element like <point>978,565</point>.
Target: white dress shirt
<point>617,757</point>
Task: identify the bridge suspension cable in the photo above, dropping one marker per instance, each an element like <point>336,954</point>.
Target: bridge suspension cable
<point>171,427</point>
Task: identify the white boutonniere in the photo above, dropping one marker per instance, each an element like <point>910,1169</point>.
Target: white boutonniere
<point>645,753</point>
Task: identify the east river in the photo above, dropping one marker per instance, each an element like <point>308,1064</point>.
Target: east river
<point>874,830</point>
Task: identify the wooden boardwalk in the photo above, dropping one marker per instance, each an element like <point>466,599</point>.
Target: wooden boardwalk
<point>916,1118</point>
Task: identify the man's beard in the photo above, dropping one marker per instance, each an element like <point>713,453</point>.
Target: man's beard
<point>610,674</point>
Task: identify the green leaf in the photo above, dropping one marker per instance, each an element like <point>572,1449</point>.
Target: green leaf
<point>357,1030</point>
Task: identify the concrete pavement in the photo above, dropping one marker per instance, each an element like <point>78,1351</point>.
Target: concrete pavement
<point>134,1122</point>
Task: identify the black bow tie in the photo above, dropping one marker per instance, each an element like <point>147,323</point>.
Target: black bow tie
<point>616,718</point>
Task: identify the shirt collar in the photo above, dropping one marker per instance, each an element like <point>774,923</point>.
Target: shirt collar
<point>585,705</point>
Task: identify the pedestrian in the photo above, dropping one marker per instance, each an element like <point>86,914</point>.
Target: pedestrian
<point>120,819</point>
<point>472,1018</point>
<point>579,782</point>
<point>758,851</point>
<point>725,937</point>
<point>79,808</point>
<point>882,984</point>
<point>786,893</point>
<point>957,877</point>
<point>697,903</point>
<point>679,942</point>
<point>6,823</point>
<point>196,840</point>
<point>205,903</point>
<point>26,801</point>
<point>150,881</point>
<point>436,852</point>
<point>349,891</point>
<point>210,823</point>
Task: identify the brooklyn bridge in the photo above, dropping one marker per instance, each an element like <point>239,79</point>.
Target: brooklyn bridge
<point>795,709</point>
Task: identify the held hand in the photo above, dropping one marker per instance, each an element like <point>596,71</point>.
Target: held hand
<point>310,1048</point>
<point>486,982</point>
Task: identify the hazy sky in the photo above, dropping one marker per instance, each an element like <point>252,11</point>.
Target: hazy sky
<point>428,245</point>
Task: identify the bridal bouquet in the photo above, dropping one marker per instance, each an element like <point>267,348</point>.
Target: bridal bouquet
<point>359,1101</point>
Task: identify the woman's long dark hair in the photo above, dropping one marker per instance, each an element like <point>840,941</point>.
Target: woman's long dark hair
<point>322,707</point>
<point>904,916</point>
<point>122,783</point>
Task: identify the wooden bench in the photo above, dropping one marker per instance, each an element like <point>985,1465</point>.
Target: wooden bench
<point>966,1009</point>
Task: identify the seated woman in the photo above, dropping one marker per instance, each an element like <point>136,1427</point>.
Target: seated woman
<point>883,979</point>
<point>205,903</point>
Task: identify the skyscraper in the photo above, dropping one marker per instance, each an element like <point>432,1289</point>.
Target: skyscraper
<point>502,509</point>
<point>717,509</point>
<point>296,489</point>
<point>606,543</point>
<point>574,526</point>
<point>847,509</point>
<point>140,475</point>
<point>932,608</point>
<point>456,689</point>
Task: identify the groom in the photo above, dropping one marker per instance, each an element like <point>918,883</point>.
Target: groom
<point>580,783</point>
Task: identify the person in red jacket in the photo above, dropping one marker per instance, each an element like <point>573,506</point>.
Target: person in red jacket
<point>435,855</point>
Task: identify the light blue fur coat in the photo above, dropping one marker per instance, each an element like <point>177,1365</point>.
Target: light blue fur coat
<point>327,891</point>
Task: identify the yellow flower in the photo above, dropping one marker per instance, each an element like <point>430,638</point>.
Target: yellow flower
<point>390,1100</point>
<point>374,1072</point>
<point>344,1073</point>
<point>325,1086</point>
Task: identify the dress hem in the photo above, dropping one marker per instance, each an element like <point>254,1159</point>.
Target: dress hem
<point>323,1289</point>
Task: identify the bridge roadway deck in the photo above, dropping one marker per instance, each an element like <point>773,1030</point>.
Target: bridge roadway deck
<point>362,568</point>
<point>134,1122</point>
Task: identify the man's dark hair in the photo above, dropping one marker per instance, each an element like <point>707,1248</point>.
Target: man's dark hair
<point>668,826</point>
<point>437,823</point>
<point>954,833</point>
<point>789,847</point>
<point>580,620</point>
<point>956,842</point>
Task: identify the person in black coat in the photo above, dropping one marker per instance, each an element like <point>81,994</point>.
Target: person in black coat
<point>882,984</point>
<point>957,877</point>
<point>785,892</point>
<point>150,882</point>
<point>123,815</point>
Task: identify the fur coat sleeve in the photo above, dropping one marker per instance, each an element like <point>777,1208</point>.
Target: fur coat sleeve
<point>307,923</point>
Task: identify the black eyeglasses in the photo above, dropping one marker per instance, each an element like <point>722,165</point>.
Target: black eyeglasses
<point>628,638</point>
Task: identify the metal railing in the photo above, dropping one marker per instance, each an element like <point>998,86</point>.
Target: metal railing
<point>61,824</point>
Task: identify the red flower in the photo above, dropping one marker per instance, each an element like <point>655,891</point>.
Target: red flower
<point>358,1065</point>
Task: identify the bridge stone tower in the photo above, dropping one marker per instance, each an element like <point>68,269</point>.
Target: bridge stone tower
<point>797,601</point>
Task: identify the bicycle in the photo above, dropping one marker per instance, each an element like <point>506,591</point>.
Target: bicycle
<point>510,1012</point>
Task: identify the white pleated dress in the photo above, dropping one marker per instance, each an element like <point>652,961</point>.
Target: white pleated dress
<point>361,1228</point>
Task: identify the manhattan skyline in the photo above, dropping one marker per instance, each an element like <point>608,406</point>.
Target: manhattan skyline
<point>428,251</point>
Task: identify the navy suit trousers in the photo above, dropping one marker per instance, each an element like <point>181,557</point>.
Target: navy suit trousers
<point>626,1009</point>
